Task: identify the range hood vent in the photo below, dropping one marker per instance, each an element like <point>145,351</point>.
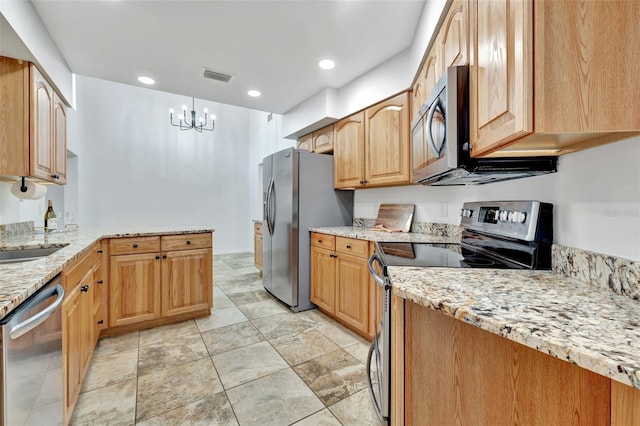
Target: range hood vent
<point>214,75</point>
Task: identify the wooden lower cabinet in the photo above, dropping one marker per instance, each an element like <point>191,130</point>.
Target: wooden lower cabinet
<point>456,373</point>
<point>134,294</point>
<point>186,281</point>
<point>340,280</point>
<point>257,246</point>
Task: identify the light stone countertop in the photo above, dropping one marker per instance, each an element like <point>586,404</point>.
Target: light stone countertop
<point>18,281</point>
<point>571,320</point>
<point>362,233</point>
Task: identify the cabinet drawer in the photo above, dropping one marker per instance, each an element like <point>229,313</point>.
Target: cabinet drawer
<point>257,228</point>
<point>353,247</point>
<point>185,242</point>
<point>74,273</point>
<point>323,240</point>
<point>134,245</point>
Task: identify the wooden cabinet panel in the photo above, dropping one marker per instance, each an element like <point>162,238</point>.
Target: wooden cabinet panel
<point>455,36</point>
<point>134,245</point>
<point>323,240</point>
<point>257,251</point>
<point>42,150</point>
<point>397,360</point>
<point>100,279</point>
<point>352,292</point>
<point>352,246</point>
<point>59,140</point>
<point>187,280</point>
<point>625,405</point>
<point>257,228</point>
<point>305,143</point>
<point>323,140</point>
<point>323,276</point>
<point>134,288</point>
<point>456,373</point>
<point>185,242</point>
<point>348,152</point>
<point>387,142</point>
<point>14,117</point>
<point>501,73</point>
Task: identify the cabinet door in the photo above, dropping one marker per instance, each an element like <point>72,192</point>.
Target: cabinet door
<point>87,327</point>
<point>348,152</point>
<point>455,36</point>
<point>71,353</point>
<point>387,142</point>
<point>59,140</point>
<point>323,140</point>
<point>187,279</point>
<point>134,288</point>
<point>257,251</point>
<point>305,143</point>
<point>101,293</point>
<point>427,78</point>
<point>323,276</point>
<point>42,151</point>
<point>352,291</point>
<point>501,73</point>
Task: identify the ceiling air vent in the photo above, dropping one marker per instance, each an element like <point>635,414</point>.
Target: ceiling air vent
<point>214,75</point>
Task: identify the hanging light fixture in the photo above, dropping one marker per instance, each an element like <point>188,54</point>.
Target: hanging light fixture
<point>200,125</point>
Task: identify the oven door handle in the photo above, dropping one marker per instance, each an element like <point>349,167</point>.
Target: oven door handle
<point>375,258</point>
<point>372,395</point>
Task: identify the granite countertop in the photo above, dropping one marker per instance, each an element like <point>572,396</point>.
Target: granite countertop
<point>571,320</point>
<point>18,281</point>
<point>362,233</point>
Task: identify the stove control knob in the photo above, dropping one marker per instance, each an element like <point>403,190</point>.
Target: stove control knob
<point>466,213</point>
<point>519,217</point>
<point>503,215</point>
<point>510,217</point>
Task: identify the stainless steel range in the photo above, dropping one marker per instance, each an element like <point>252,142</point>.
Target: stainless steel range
<point>496,234</point>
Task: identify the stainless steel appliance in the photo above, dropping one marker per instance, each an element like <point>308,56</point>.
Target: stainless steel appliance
<point>298,194</point>
<point>441,153</point>
<point>32,359</point>
<point>496,234</point>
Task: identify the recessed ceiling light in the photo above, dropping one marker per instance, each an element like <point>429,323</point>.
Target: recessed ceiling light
<point>326,64</point>
<point>253,93</point>
<point>146,80</point>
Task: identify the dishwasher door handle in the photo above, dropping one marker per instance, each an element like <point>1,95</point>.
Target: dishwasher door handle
<point>27,325</point>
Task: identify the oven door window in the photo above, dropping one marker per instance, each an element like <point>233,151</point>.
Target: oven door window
<point>435,128</point>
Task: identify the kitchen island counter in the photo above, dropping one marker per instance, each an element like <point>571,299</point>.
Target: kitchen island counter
<point>20,280</point>
<point>592,328</point>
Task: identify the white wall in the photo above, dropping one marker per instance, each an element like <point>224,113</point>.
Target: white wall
<point>136,170</point>
<point>596,197</point>
<point>14,210</point>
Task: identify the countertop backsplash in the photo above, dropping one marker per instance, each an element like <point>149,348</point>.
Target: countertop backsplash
<point>622,276</point>
<point>15,229</point>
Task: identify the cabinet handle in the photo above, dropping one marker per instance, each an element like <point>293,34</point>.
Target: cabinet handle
<point>188,242</point>
<point>333,255</point>
<point>101,322</point>
<point>320,241</point>
<point>84,288</point>
<point>100,281</point>
<point>164,256</point>
<point>157,257</point>
<point>99,251</point>
<point>349,246</point>
<point>135,246</point>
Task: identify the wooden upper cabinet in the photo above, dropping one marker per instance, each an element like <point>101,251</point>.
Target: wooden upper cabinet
<point>387,142</point>
<point>455,36</point>
<point>323,140</point>
<point>348,153</point>
<point>33,122</point>
<point>305,142</point>
<point>427,78</point>
<point>501,74</point>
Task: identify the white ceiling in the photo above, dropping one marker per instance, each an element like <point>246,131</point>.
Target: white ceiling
<point>271,46</point>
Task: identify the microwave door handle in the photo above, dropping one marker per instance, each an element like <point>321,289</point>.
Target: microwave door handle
<point>429,133</point>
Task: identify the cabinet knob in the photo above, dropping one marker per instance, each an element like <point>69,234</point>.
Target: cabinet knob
<point>188,242</point>
<point>164,256</point>
<point>135,246</point>
<point>100,281</point>
<point>101,322</point>
<point>157,257</point>
<point>84,288</point>
<point>320,241</point>
<point>99,251</point>
<point>348,245</point>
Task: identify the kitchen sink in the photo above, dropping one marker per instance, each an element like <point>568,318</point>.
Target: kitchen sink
<point>26,255</point>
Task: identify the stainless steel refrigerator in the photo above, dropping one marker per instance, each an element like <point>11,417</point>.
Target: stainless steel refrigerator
<point>298,194</point>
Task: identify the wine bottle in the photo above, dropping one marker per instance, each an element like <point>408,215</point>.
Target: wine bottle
<point>50,218</point>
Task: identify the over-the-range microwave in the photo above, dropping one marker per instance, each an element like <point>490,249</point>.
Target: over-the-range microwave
<point>441,153</point>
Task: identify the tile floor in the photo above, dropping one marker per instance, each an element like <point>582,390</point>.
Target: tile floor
<point>252,362</point>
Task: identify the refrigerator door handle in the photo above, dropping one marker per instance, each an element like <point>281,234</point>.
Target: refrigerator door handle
<point>272,207</point>
<point>268,207</point>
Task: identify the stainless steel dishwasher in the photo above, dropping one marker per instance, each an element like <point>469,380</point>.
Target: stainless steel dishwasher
<point>32,359</point>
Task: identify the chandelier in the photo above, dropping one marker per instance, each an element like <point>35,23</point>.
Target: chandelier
<point>202,123</point>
